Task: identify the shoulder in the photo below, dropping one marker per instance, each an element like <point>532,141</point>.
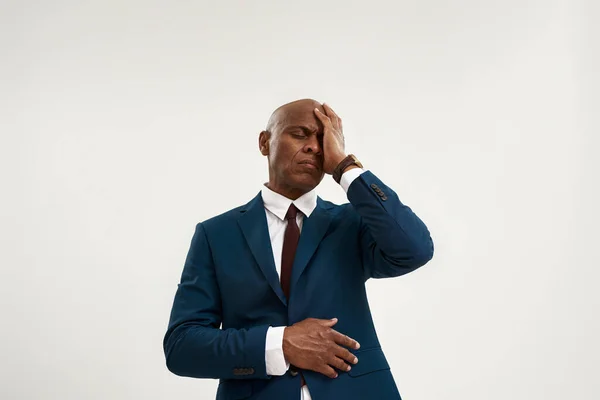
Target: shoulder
<point>225,218</point>
<point>344,210</point>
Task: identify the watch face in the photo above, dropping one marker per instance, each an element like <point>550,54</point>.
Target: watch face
<point>358,163</point>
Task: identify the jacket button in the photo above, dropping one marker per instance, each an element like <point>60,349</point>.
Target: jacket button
<point>293,372</point>
<point>374,186</point>
<point>384,197</point>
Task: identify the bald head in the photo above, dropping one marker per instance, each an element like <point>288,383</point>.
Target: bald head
<point>293,144</point>
<point>293,112</point>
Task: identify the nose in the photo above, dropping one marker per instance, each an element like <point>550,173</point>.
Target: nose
<point>313,144</point>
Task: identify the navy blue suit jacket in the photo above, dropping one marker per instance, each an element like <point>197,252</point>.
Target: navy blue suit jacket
<point>229,279</point>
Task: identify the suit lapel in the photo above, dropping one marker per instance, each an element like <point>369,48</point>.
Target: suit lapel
<point>313,230</point>
<point>253,223</point>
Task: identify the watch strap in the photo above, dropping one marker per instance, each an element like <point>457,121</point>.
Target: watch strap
<point>345,163</point>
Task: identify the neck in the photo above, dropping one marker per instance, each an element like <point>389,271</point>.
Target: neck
<point>289,192</point>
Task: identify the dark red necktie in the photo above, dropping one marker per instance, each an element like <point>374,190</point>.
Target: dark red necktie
<point>290,242</point>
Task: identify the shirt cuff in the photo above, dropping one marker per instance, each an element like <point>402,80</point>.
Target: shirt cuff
<point>349,176</point>
<point>274,358</point>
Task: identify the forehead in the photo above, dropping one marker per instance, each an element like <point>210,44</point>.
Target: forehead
<point>297,115</point>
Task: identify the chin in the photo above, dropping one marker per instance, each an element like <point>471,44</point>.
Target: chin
<point>309,182</point>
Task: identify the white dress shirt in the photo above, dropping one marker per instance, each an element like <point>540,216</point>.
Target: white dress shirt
<point>276,206</point>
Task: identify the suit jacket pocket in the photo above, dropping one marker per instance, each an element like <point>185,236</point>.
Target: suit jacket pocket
<point>234,389</point>
<point>369,360</point>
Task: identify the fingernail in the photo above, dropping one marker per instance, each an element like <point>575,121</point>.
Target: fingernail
<point>336,375</point>
<point>348,368</point>
<point>317,110</point>
<point>355,360</point>
<point>357,345</point>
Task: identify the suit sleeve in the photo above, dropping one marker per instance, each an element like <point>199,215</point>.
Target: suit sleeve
<point>393,239</point>
<point>194,344</point>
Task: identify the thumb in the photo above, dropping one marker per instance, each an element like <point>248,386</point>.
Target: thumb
<point>330,322</point>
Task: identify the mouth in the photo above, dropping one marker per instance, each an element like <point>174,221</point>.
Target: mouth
<point>310,164</point>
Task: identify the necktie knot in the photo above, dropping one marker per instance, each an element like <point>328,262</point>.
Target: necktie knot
<point>291,212</point>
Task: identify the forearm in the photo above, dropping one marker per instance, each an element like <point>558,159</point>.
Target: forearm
<point>393,239</point>
<point>206,352</point>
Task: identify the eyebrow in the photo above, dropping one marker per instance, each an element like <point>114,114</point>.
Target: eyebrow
<point>302,128</point>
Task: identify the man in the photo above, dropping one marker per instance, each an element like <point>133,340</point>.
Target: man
<point>285,274</point>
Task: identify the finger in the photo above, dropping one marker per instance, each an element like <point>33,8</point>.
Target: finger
<point>339,364</point>
<point>335,119</point>
<point>344,340</point>
<point>323,118</point>
<point>345,355</point>
<point>328,371</point>
<point>328,322</point>
<point>329,110</point>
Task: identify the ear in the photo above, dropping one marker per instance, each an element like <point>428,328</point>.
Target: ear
<point>263,142</point>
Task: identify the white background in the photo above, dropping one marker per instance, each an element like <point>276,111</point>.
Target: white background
<point>124,123</point>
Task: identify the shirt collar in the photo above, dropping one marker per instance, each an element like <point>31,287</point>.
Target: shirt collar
<point>279,204</point>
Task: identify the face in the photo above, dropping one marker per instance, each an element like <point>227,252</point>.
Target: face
<point>293,144</point>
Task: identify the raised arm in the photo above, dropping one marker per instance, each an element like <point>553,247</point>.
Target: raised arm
<point>393,239</point>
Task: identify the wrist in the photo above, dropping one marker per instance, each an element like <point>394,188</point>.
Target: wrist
<point>348,168</point>
<point>284,342</point>
<point>339,159</point>
<point>344,165</point>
